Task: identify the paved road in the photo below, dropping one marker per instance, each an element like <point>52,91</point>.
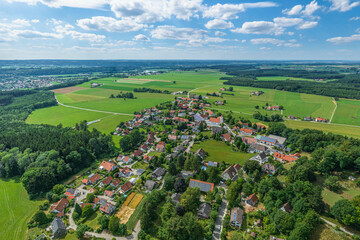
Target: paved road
<point>341,228</point>
<point>219,220</point>
<point>133,236</point>
<point>93,110</point>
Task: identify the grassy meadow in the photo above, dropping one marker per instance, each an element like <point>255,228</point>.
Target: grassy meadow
<point>219,151</point>
<point>15,209</point>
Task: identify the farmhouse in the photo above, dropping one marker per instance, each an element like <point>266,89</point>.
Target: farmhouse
<point>236,217</point>
<point>318,119</point>
<point>203,186</point>
<point>108,166</point>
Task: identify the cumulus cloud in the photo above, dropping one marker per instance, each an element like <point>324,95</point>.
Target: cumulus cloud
<point>230,11</point>
<point>354,18</point>
<point>218,24</point>
<point>36,34</point>
<point>141,37</point>
<point>339,40</point>
<point>287,22</point>
<point>343,5</point>
<point>276,42</point>
<point>219,33</point>
<point>92,4</point>
<point>260,27</point>
<point>109,24</point>
<point>146,11</point>
<point>306,11</point>
<point>307,25</point>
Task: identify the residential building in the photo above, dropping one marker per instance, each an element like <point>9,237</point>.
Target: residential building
<point>116,183</point>
<point>150,184</point>
<point>252,200</point>
<point>230,173</point>
<point>59,207</point>
<point>285,158</point>
<point>176,197</point>
<point>108,166</point>
<point>158,173</point>
<point>286,207</point>
<point>258,148</point>
<point>204,211</point>
<point>106,181</point>
<point>236,217</point>
<point>160,147</point>
<point>203,186</point>
<point>109,193</point>
<point>226,137</point>
<point>261,158</point>
<point>125,187</point>
<point>58,228</point>
<point>201,153</point>
<point>269,168</point>
<point>247,131</point>
<point>71,193</point>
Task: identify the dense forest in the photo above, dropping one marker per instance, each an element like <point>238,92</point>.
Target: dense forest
<point>42,154</point>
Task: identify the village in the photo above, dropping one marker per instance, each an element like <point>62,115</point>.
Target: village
<point>118,186</point>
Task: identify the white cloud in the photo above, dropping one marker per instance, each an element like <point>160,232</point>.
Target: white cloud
<point>339,40</point>
<point>35,20</point>
<point>259,27</point>
<point>265,48</point>
<point>295,10</point>
<point>306,11</point>
<point>36,34</point>
<point>218,24</point>
<point>276,42</point>
<point>21,22</point>
<point>92,4</point>
<point>109,24</point>
<point>188,36</point>
<point>354,18</point>
<point>141,37</point>
<point>146,11</point>
<point>68,30</point>
<point>219,33</point>
<point>307,25</point>
<point>287,22</point>
<point>343,5</point>
<point>230,11</point>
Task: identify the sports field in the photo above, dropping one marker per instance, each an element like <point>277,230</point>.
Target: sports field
<point>94,104</point>
<point>219,151</point>
<point>15,209</point>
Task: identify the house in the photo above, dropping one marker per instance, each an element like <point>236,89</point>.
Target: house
<point>203,186</point>
<point>308,119</point>
<point>137,153</point>
<point>280,140</point>
<point>249,141</point>
<point>318,119</point>
<point>59,207</point>
<point>125,187</point>
<point>230,173</point>
<point>198,118</point>
<point>106,181</point>
<point>204,211</point>
<point>92,179</point>
<point>286,207</point>
<point>176,198</point>
<point>150,184</point>
<point>115,183</point>
<point>226,137</point>
<point>352,178</point>
<point>160,147</point>
<point>261,158</point>
<point>216,129</point>
<point>106,207</point>
<point>212,164</point>
<point>236,217</point>
<point>292,117</point>
<point>269,168</point>
<point>58,228</point>
<point>144,147</point>
<point>172,137</point>
<point>179,148</point>
<point>140,172</point>
<point>285,158</point>
<point>210,113</point>
<point>125,172</point>
<point>257,148</point>
<point>201,153</point>
<point>133,181</point>
<point>147,158</point>
<point>252,200</point>
<point>71,193</point>
<point>216,121</point>
<point>158,173</point>
<point>125,159</point>
<point>108,166</point>
<point>247,131</point>
<point>268,140</point>
<point>109,193</point>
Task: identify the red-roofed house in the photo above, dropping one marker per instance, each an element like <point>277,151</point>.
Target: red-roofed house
<point>249,141</point>
<point>125,188</point>
<point>252,200</point>
<point>320,119</point>
<point>59,207</point>
<point>160,147</point>
<point>226,137</point>
<point>109,193</point>
<point>125,172</point>
<point>106,181</point>
<point>285,158</point>
<point>108,166</point>
<point>71,193</point>
<point>216,121</point>
<point>247,131</point>
<point>137,153</point>
<point>93,178</point>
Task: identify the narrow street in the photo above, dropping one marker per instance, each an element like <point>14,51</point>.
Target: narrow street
<point>219,220</point>
<point>133,236</point>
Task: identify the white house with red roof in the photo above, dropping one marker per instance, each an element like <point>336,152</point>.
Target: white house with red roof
<point>108,166</point>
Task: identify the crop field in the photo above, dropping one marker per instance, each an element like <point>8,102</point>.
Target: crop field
<point>128,207</point>
<point>281,78</point>
<point>201,82</point>
<point>128,199</point>
<point>15,209</point>
<point>136,200</point>
<point>219,151</point>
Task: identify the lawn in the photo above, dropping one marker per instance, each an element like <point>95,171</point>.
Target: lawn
<point>15,209</point>
<point>351,131</point>
<point>219,151</point>
<point>93,221</point>
<point>324,232</point>
<point>347,112</point>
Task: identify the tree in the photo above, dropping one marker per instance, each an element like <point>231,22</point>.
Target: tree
<point>332,183</point>
<point>172,168</point>
<point>103,221</point>
<point>78,209</point>
<point>40,217</point>
<point>38,180</point>
<point>169,182</point>
<point>180,210</point>
<point>114,224</point>
<point>59,189</point>
<point>250,166</point>
<point>190,199</point>
<point>168,211</point>
<point>80,230</point>
<point>88,211</point>
<point>344,211</point>
<point>90,198</point>
<point>231,89</point>
<point>180,185</point>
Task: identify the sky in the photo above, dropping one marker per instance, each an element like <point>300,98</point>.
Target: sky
<point>180,29</point>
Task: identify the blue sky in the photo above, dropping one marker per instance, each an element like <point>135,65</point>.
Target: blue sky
<point>180,29</point>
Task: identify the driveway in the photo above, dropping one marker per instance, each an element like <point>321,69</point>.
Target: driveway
<point>219,220</point>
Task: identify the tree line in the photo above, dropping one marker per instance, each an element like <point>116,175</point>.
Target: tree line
<point>150,90</point>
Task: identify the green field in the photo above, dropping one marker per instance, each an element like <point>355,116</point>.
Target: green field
<point>15,209</point>
<point>219,151</point>
<point>280,78</point>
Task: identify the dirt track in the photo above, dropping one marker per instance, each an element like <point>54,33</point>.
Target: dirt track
<point>68,89</point>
